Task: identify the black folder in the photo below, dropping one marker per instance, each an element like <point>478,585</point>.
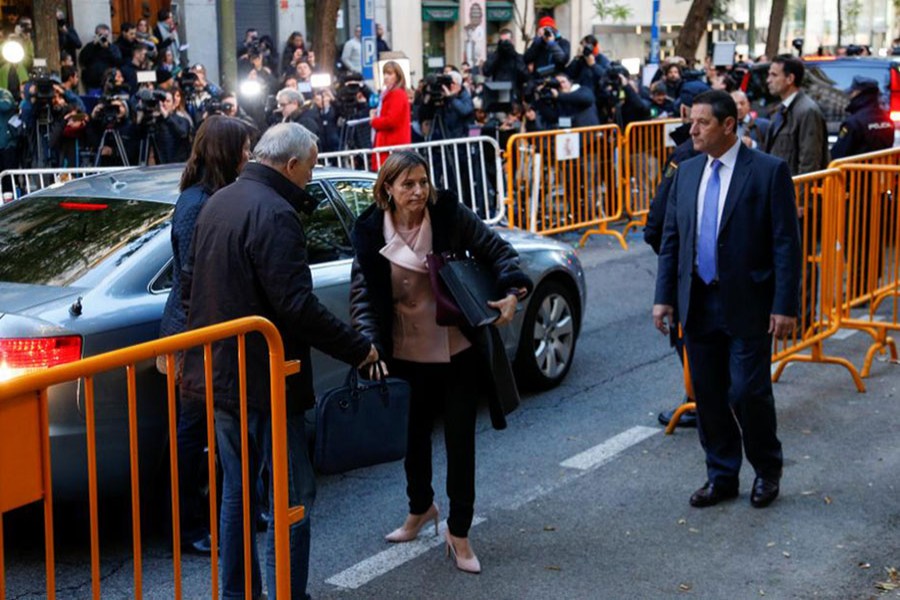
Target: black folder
<point>472,285</point>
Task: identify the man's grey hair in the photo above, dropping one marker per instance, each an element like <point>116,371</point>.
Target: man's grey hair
<point>289,95</point>
<point>285,141</point>
<point>101,27</point>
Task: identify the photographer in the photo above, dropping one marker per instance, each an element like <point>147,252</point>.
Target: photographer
<point>330,139</point>
<point>68,128</point>
<point>9,141</point>
<point>96,58</point>
<point>174,132</point>
<point>112,112</point>
<point>505,64</point>
<point>69,42</point>
<point>137,62</point>
<point>588,68</point>
<point>455,111</point>
<point>295,109</point>
<point>562,104</point>
<point>548,48</point>
<point>69,78</point>
<point>197,90</point>
<point>660,105</point>
<point>127,41</point>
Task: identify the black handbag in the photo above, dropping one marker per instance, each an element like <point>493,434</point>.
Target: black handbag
<point>361,423</point>
<point>472,285</point>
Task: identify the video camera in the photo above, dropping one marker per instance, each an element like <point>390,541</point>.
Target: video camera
<point>187,81</point>
<point>42,84</point>
<point>148,100</point>
<point>214,106</point>
<point>435,83</point>
<point>346,95</point>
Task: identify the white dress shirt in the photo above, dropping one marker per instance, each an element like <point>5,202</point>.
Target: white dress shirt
<point>726,170</point>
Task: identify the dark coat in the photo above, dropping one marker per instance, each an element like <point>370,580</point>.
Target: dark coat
<point>456,229</point>
<point>867,129</point>
<point>548,54</point>
<point>758,249</point>
<point>174,138</point>
<point>657,215</point>
<point>506,65</point>
<point>249,258</point>
<point>95,60</point>
<point>580,105</point>
<point>800,136</point>
<point>187,208</point>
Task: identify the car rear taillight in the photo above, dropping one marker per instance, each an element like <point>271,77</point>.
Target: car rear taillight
<point>24,355</point>
<point>895,95</point>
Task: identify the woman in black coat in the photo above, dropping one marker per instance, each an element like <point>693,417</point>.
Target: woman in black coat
<point>448,368</point>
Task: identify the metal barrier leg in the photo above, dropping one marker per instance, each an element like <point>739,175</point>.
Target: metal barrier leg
<point>603,229</point>
<point>640,221</point>
<point>883,343</point>
<point>818,356</point>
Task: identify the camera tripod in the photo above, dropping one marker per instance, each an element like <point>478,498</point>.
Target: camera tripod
<point>437,124</point>
<point>148,143</point>
<point>120,147</point>
<point>42,137</point>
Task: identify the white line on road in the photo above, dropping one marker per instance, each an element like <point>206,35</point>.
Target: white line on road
<point>363,572</point>
<point>375,566</point>
<point>605,452</point>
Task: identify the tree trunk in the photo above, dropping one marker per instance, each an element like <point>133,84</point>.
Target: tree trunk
<point>694,27</point>
<point>324,33</point>
<point>776,18</point>
<point>46,40</point>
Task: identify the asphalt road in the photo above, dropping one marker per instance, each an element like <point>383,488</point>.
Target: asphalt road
<point>583,496</point>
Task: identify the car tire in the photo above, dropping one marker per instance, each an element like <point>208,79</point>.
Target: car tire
<point>549,332</point>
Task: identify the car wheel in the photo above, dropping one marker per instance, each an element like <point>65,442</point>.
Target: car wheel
<point>547,340</point>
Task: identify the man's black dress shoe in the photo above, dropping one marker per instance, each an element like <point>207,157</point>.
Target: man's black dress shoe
<point>203,546</point>
<point>687,419</point>
<point>764,492</point>
<point>710,495</point>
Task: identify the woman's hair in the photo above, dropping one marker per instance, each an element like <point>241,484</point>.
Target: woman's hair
<point>293,38</point>
<point>395,68</point>
<point>217,152</point>
<point>396,165</point>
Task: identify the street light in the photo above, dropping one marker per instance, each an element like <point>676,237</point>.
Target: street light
<point>13,52</point>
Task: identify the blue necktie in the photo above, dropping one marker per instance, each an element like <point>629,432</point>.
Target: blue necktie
<point>706,246</point>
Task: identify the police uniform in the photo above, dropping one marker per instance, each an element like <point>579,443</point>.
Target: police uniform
<point>869,126</point>
<point>657,215</point>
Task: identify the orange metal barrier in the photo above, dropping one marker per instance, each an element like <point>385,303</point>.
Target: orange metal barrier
<point>817,197</point>
<point>25,471</point>
<point>871,241</point>
<point>645,149</point>
<point>565,180</point>
<point>891,156</point>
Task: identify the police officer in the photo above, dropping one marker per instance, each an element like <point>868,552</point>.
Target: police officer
<point>869,127</point>
<point>684,150</point>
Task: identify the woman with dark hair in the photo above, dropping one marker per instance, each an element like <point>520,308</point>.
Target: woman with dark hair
<point>391,120</point>
<point>448,368</point>
<point>293,52</point>
<point>221,149</point>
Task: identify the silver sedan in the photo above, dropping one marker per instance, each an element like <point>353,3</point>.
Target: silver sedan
<point>85,268</point>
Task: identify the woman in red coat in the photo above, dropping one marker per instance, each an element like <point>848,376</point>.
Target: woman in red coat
<point>391,120</point>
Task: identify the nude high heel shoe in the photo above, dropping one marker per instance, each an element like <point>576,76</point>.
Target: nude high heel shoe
<point>467,565</point>
<point>414,523</point>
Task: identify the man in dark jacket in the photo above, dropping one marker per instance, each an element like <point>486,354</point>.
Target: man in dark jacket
<point>249,258</point>
<point>96,57</point>
<point>572,105</point>
<point>505,64</point>
<point>69,42</point>
<point>684,150</point>
<point>548,49</point>
<point>868,127</point>
<point>173,133</point>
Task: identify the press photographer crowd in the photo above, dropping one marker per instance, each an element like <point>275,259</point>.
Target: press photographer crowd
<point>133,98</point>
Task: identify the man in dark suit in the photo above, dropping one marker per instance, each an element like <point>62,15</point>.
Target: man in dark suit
<point>798,133</point>
<point>751,129</point>
<point>730,263</point>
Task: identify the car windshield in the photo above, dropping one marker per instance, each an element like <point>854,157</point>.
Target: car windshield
<point>57,240</point>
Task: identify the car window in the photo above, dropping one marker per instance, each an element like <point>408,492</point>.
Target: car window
<point>358,194</point>
<point>163,281</point>
<point>57,240</point>
<point>326,236</point>
<point>826,84</point>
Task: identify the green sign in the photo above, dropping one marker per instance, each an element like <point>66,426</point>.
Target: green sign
<point>440,10</point>
<point>500,11</point>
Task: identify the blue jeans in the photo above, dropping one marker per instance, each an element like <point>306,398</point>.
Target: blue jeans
<point>301,490</point>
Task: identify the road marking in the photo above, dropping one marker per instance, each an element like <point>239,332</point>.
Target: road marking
<point>375,566</point>
<point>605,452</point>
<point>398,554</point>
